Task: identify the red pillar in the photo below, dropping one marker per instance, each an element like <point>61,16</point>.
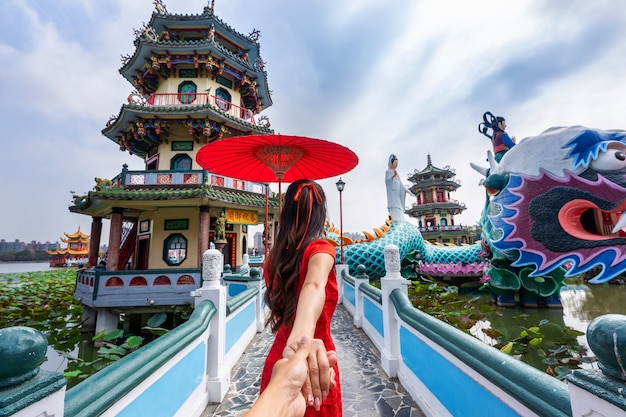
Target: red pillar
<point>115,238</point>
<point>203,233</point>
<point>94,240</point>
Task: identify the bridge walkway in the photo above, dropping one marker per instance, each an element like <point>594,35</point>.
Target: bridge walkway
<point>366,389</point>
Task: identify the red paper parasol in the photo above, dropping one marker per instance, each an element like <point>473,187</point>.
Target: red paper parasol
<point>276,158</point>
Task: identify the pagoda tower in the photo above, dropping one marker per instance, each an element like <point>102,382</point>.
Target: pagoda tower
<point>74,253</point>
<point>195,80</point>
<point>434,209</point>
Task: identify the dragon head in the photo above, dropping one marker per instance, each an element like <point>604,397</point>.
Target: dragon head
<point>561,203</point>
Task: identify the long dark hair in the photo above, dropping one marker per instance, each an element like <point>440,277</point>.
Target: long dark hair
<point>301,221</point>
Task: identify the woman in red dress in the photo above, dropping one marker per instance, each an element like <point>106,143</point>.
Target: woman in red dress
<point>302,293</point>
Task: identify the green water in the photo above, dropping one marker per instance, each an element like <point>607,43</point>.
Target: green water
<point>581,304</point>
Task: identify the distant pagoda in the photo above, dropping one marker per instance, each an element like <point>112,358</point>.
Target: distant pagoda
<point>434,209</point>
<point>74,254</point>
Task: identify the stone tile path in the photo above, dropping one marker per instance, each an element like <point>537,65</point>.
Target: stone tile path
<point>366,390</point>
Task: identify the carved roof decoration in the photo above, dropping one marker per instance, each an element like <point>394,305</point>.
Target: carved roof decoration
<point>169,39</point>
<point>445,172</point>
<point>138,127</point>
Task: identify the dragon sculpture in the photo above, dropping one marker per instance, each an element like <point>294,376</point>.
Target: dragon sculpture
<point>552,210</point>
<point>438,260</point>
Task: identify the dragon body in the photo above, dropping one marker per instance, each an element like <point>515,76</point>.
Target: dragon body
<point>437,260</point>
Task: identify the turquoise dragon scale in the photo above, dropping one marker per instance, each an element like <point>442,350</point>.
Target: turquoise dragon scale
<point>407,237</point>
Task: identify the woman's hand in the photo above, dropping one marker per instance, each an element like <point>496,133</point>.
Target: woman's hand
<point>321,375</point>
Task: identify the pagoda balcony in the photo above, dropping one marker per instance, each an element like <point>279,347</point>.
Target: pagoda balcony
<point>439,203</point>
<point>182,100</point>
<point>450,228</point>
<point>168,178</point>
<point>96,288</point>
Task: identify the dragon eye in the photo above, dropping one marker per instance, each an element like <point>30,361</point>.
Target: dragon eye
<point>613,159</point>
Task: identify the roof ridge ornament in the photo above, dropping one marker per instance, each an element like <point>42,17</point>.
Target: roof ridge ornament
<point>210,7</point>
<point>160,7</point>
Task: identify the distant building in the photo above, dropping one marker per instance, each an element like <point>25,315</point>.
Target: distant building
<point>258,243</point>
<point>15,246</point>
<point>18,246</point>
<point>434,209</point>
<point>74,254</point>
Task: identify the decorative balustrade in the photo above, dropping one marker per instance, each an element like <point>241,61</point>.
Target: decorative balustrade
<point>450,228</point>
<point>96,288</point>
<point>192,177</point>
<point>199,99</point>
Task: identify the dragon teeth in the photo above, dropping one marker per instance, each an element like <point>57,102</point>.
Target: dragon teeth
<point>621,223</point>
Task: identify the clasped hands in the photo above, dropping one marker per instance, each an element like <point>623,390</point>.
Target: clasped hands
<point>320,377</point>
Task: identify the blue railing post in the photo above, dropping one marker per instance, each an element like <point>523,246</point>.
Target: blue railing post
<point>212,290</point>
<point>390,354</point>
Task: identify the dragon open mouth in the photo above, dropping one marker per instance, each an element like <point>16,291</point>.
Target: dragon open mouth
<point>585,220</point>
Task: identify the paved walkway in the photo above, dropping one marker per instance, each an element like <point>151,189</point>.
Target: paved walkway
<point>366,390</point>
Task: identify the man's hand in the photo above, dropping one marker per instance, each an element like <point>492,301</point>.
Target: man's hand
<point>321,376</point>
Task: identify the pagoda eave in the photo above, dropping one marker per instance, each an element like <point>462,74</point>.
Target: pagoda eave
<point>141,199</point>
<point>131,113</point>
<point>146,49</point>
<point>161,22</point>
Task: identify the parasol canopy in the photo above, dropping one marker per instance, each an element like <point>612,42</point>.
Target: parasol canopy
<point>276,158</point>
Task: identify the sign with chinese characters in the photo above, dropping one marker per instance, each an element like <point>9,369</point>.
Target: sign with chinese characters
<point>242,216</point>
<point>176,224</point>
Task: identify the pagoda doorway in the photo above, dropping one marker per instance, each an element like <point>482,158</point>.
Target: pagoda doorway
<point>143,252</point>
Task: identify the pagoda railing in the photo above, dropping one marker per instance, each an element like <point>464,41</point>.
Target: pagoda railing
<point>450,228</point>
<point>437,202</point>
<point>200,99</point>
<point>192,177</point>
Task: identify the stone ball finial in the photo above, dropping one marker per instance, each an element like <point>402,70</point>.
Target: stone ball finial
<point>255,274</point>
<point>360,272</point>
<point>607,339</point>
<point>22,350</point>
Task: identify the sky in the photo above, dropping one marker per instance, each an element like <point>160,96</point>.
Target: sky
<point>409,77</point>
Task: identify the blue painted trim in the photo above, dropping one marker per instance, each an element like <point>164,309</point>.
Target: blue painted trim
<point>349,294</point>
<point>542,394</point>
<point>372,292</point>
<point>374,315</point>
<point>458,393</point>
<point>238,324</point>
<point>234,289</point>
<point>234,303</point>
<point>100,391</point>
<point>160,399</point>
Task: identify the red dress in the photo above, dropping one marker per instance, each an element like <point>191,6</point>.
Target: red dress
<point>331,407</point>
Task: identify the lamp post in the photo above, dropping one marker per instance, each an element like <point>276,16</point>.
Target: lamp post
<point>340,186</point>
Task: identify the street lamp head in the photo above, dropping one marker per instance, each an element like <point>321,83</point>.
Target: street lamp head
<point>340,185</point>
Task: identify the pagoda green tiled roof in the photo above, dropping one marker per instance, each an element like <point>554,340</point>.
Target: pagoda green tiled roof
<point>149,112</point>
<point>195,44</point>
<point>158,21</point>
<point>224,195</point>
